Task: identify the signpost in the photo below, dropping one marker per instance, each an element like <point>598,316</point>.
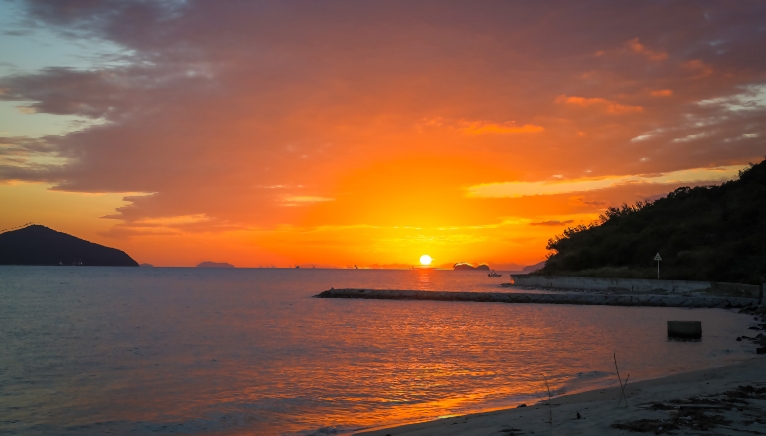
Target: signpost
<point>658,259</point>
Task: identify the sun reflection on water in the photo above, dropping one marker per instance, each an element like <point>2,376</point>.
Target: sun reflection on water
<point>424,279</point>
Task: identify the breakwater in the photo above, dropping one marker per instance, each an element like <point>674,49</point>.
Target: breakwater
<point>637,285</point>
<point>551,298</point>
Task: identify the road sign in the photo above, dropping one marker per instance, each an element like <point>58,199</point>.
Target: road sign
<point>658,259</point>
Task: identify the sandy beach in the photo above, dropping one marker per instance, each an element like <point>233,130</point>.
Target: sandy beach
<point>727,400</point>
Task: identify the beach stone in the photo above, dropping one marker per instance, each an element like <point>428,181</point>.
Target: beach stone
<point>558,299</point>
<point>689,302</point>
<point>596,299</point>
<point>575,299</point>
<point>544,298</point>
<point>523,298</point>
<point>537,298</point>
<point>708,302</point>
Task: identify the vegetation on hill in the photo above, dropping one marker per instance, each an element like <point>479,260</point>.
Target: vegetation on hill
<point>39,245</point>
<point>713,233</point>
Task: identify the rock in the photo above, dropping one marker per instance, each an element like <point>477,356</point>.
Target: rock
<point>760,350</point>
<point>579,416</point>
<point>739,339</point>
<point>521,405</point>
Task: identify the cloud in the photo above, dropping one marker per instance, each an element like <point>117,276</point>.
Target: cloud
<point>552,223</point>
<point>522,189</point>
<point>609,106</point>
<point>752,99</point>
<point>486,127</point>
<point>637,47</point>
<point>478,127</point>
<point>699,68</point>
<point>295,200</point>
<point>661,93</point>
<point>209,105</point>
<point>691,137</point>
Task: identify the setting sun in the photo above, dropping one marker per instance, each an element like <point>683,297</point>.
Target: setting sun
<point>425,259</point>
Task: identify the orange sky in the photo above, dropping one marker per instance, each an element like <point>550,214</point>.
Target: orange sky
<point>342,133</point>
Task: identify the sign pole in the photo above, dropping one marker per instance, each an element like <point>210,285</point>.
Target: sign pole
<point>658,259</point>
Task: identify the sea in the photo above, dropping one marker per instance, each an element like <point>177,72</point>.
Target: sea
<point>190,351</point>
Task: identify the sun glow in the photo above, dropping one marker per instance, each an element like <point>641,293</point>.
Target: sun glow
<point>425,259</point>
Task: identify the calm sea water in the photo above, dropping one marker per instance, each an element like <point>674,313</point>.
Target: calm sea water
<point>88,351</point>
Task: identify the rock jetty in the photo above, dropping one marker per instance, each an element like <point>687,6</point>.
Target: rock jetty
<point>557,298</point>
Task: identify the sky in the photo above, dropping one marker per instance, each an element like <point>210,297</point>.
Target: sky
<point>339,133</point>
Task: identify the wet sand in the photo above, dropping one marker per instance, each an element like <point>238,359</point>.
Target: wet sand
<point>721,401</point>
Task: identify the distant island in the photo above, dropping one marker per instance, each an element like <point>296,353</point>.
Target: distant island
<point>715,233</point>
<point>468,267</point>
<point>146,265</point>
<point>208,264</point>
<point>40,245</point>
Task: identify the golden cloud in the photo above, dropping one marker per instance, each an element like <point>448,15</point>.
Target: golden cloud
<point>524,189</point>
<point>661,93</point>
<point>485,127</point>
<point>609,106</point>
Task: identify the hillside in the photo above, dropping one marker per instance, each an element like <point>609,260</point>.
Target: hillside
<point>39,245</point>
<point>704,233</point>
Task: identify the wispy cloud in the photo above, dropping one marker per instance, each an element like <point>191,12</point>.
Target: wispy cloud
<point>753,98</point>
<point>552,223</point>
<point>295,200</point>
<point>637,47</point>
<point>661,93</point>
<point>485,127</point>
<point>607,105</point>
<point>524,189</point>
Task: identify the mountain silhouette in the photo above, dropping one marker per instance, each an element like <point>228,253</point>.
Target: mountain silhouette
<point>39,245</point>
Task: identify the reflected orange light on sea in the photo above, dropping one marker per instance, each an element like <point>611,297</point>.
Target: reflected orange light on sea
<point>248,351</point>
